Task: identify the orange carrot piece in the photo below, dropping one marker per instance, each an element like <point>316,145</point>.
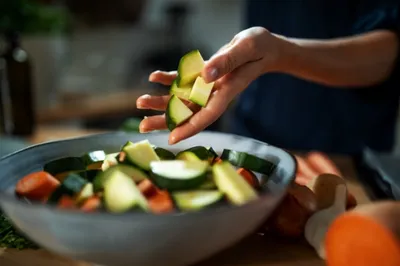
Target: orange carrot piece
<point>217,160</point>
<point>147,188</point>
<point>353,239</point>
<point>161,202</point>
<point>304,169</point>
<point>322,163</point>
<point>91,204</point>
<point>66,202</point>
<point>37,186</point>
<point>95,166</point>
<point>249,176</point>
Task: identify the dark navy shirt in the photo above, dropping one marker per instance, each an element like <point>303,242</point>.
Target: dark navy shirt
<point>296,114</point>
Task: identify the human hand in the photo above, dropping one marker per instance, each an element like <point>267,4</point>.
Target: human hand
<point>250,54</point>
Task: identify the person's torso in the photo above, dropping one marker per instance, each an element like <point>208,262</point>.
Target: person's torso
<point>296,114</point>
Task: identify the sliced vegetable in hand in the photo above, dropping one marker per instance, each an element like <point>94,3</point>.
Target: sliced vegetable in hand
<point>177,113</point>
<point>189,68</point>
<point>201,92</point>
<point>181,92</point>
<point>178,175</point>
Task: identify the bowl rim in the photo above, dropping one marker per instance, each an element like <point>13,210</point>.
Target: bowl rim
<point>6,197</point>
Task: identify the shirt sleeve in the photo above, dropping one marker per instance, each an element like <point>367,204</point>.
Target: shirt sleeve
<point>373,15</point>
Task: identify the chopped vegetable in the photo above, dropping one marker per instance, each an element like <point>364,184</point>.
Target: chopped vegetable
<point>91,204</point>
<point>181,92</point>
<point>179,175</point>
<point>66,202</point>
<point>201,92</point>
<point>160,202</point>
<point>249,176</point>
<point>189,68</point>
<point>248,161</point>
<point>177,113</point>
<point>141,154</point>
<point>164,154</point>
<point>197,199</point>
<point>37,186</point>
<point>72,185</point>
<point>232,184</point>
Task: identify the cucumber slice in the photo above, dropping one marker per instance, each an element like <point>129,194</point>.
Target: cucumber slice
<point>178,175</point>
<point>177,113</point>
<point>67,164</point>
<point>232,184</point>
<point>71,186</point>
<point>93,157</point>
<point>188,156</point>
<point>182,93</point>
<point>197,199</point>
<point>190,67</point>
<point>86,192</point>
<point>121,193</point>
<point>201,92</point>
<point>164,154</point>
<point>201,152</point>
<point>134,173</point>
<point>248,161</point>
<point>110,160</point>
<point>141,154</point>
<point>208,184</point>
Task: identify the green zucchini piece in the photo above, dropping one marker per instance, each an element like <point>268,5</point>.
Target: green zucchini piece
<point>71,186</point>
<point>121,194</point>
<point>203,153</point>
<point>187,156</point>
<point>141,154</point>
<point>133,172</point>
<point>67,164</point>
<point>86,192</point>
<point>196,199</point>
<point>189,68</point>
<point>212,154</point>
<point>179,175</point>
<point>208,184</point>
<point>110,160</point>
<point>164,154</point>
<point>93,157</point>
<point>248,161</point>
<point>177,113</point>
<point>201,92</point>
<point>237,190</point>
<point>182,93</point>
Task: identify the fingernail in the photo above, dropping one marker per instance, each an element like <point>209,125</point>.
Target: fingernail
<point>212,74</point>
<point>172,140</point>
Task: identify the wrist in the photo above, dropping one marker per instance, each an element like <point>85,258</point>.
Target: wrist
<point>289,52</point>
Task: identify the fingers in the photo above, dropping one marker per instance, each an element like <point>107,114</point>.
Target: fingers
<point>157,103</point>
<point>202,119</point>
<point>163,77</point>
<point>156,122</point>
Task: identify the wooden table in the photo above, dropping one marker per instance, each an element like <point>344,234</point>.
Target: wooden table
<point>255,250</point>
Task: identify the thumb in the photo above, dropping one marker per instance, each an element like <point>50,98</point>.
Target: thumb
<point>225,62</point>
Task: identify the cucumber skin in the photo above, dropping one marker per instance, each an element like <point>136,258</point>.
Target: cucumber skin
<point>177,184</point>
<point>184,82</point>
<point>65,189</point>
<point>89,158</point>
<point>213,204</point>
<point>248,161</point>
<point>66,164</point>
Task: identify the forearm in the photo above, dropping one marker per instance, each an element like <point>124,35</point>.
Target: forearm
<point>359,61</point>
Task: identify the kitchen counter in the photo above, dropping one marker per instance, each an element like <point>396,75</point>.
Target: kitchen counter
<point>256,250</point>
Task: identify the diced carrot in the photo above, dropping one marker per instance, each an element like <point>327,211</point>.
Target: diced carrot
<point>121,157</point>
<point>304,169</point>
<point>322,163</point>
<point>147,188</point>
<point>61,176</point>
<point>353,239</point>
<point>95,166</point>
<point>161,202</point>
<point>91,204</point>
<point>249,176</point>
<point>217,160</point>
<point>37,186</point>
<point>66,202</point>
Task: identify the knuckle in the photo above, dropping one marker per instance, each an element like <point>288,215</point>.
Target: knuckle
<point>230,62</point>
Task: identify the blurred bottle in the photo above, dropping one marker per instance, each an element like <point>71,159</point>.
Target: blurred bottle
<point>16,102</point>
